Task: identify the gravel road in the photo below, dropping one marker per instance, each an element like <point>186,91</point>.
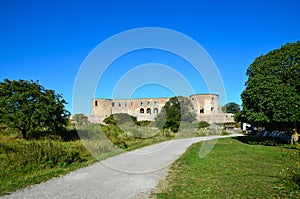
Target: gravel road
<point>124,176</point>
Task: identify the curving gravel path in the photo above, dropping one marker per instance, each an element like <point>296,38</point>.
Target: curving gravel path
<point>124,176</point>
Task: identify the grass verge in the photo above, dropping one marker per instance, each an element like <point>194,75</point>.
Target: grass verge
<point>28,162</point>
<point>24,162</point>
<point>233,170</point>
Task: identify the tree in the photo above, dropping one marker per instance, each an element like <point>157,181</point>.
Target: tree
<point>231,107</point>
<point>26,105</point>
<point>80,119</point>
<point>175,111</point>
<point>120,118</point>
<point>272,94</point>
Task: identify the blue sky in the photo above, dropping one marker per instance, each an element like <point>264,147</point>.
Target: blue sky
<point>49,40</point>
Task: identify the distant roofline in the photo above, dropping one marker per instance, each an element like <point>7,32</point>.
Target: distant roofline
<point>204,94</point>
<point>152,97</point>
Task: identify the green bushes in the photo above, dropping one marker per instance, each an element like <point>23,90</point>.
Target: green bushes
<point>203,124</point>
<point>174,112</point>
<point>115,135</point>
<point>120,118</point>
<point>260,140</point>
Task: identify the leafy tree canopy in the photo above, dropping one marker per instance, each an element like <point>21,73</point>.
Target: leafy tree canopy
<point>80,119</point>
<point>272,94</point>
<point>175,111</point>
<point>120,118</point>
<point>26,105</point>
<point>231,107</point>
<point>203,124</point>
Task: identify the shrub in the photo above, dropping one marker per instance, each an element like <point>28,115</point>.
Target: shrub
<point>120,118</point>
<point>143,123</point>
<point>167,132</point>
<point>202,131</point>
<point>203,124</point>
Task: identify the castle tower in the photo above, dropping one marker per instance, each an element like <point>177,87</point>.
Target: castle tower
<point>101,108</point>
<point>205,106</point>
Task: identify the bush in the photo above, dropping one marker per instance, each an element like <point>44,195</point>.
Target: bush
<point>116,135</point>
<point>167,132</point>
<point>260,140</point>
<point>120,118</point>
<point>203,124</point>
<point>58,135</point>
<point>202,131</point>
<point>143,123</point>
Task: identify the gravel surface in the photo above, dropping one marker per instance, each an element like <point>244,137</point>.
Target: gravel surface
<point>124,176</point>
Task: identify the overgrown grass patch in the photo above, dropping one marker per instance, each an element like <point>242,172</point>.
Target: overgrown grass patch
<point>24,162</point>
<point>233,170</point>
<point>27,162</point>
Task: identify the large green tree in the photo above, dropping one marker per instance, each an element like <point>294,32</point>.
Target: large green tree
<point>175,111</point>
<point>272,94</point>
<point>26,105</point>
<point>231,107</point>
<point>80,119</point>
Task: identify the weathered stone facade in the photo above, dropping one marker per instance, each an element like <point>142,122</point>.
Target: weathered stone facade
<point>205,106</point>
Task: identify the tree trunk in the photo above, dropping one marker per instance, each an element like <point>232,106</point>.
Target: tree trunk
<point>24,133</point>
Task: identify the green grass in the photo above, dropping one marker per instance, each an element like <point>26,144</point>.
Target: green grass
<point>233,170</point>
<point>26,162</point>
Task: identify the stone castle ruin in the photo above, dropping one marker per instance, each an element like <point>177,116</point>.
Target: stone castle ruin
<point>205,106</point>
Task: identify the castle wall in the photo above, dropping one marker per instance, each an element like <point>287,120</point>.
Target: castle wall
<point>204,105</point>
<point>101,108</point>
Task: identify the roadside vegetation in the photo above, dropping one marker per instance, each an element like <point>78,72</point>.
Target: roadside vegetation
<point>44,155</point>
<point>234,169</point>
<point>25,162</point>
<point>272,94</point>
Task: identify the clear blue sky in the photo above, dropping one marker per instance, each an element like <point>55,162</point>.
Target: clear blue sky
<point>48,40</point>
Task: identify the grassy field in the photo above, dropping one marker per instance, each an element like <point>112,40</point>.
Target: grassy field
<point>44,156</point>
<point>234,170</point>
<point>24,162</point>
<point>27,162</point>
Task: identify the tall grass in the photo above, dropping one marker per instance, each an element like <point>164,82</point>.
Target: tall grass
<point>24,162</point>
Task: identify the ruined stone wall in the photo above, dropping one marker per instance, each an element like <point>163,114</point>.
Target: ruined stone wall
<point>101,108</point>
<point>142,108</point>
<point>204,105</point>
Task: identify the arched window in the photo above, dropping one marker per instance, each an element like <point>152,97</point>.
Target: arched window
<point>201,110</point>
<point>141,110</point>
<point>149,103</point>
<point>96,103</point>
<point>148,111</point>
<point>155,103</point>
<point>155,111</point>
<point>142,103</point>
